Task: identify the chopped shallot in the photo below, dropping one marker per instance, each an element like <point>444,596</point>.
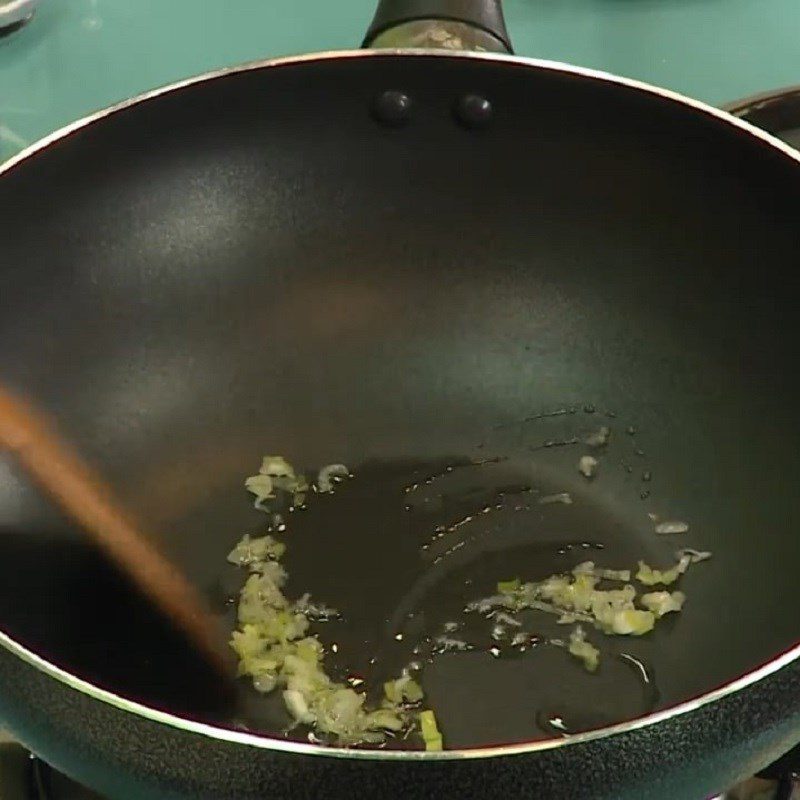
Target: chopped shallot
<point>661,603</point>
<point>650,577</point>
<point>672,526</point>
<point>562,497</point>
<point>695,556</point>
<point>599,438</point>
<point>584,650</point>
<point>430,730</point>
<point>261,487</point>
<point>588,568</point>
<point>330,475</point>
<point>272,642</point>
<point>251,552</point>
<point>587,466</point>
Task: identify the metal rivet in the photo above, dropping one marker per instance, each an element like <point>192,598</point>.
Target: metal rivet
<point>474,111</point>
<point>392,108</point>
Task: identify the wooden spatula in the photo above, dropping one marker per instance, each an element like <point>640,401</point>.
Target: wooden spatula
<point>58,469</point>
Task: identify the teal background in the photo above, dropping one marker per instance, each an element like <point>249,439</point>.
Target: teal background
<point>80,55</point>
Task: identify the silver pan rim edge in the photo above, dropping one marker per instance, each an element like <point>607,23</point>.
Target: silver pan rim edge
<point>300,748</point>
<point>720,114</point>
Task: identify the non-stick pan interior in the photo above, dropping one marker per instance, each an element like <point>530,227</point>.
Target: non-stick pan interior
<point>254,264</point>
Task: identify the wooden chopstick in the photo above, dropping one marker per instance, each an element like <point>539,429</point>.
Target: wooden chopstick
<point>58,469</point>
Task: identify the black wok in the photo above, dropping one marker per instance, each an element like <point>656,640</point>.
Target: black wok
<point>285,258</point>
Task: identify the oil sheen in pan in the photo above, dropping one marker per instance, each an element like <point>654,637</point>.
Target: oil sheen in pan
<point>405,545</point>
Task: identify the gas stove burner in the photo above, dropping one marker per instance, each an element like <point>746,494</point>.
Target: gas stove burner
<point>25,777</point>
<point>762,789</point>
<point>777,112</point>
<point>49,784</point>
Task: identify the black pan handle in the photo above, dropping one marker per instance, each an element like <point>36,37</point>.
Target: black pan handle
<point>447,24</point>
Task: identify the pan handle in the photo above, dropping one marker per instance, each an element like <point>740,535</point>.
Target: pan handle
<point>440,24</point>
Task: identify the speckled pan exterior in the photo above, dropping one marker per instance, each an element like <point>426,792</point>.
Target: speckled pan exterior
<point>127,756</point>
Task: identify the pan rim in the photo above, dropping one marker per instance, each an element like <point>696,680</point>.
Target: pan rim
<point>721,114</point>
<point>93,692</point>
